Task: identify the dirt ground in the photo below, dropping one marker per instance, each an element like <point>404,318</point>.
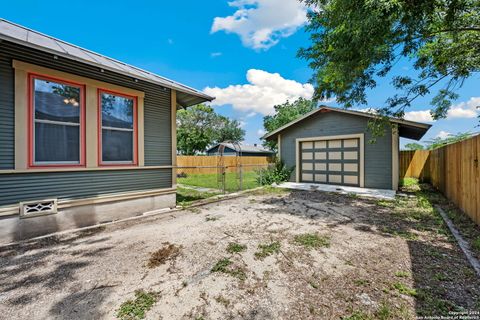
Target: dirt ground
<point>373,263</point>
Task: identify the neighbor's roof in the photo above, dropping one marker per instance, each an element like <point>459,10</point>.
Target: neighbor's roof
<point>407,129</point>
<point>18,34</point>
<point>243,148</point>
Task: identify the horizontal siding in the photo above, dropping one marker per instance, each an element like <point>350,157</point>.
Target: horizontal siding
<point>75,185</point>
<point>378,156</point>
<point>7,112</point>
<point>156,103</point>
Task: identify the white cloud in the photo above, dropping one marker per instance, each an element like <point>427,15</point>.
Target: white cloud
<point>467,109</point>
<point>215,54</point>
<point>261,132</point>
<point>442,134</point>
<point>251,114</point>
<point>262,23</point>
<point>419,116</point>
<point>263,91</point>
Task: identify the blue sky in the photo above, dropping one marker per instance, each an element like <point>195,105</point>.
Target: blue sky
<point>214,46</point>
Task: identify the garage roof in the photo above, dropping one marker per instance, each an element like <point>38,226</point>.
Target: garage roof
<point>407,129</point>
<point>12,32</point>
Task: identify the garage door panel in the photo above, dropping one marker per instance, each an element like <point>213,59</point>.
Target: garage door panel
<point>331,161</point>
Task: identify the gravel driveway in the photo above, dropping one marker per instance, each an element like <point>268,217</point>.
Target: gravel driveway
<point>297,255</point>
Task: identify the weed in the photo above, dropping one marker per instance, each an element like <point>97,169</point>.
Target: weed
<point>403,289</point>
<point>136,309</point>
<point>159,257</point>
<point>313,284</point>
<point>357,315</point>
<point>384,312</point>
<point>441,277</point>
<point>222,300</point>
<point>236,247</point>
<point>361,282</point>
<point>476,244</point>
<point>194,210</point>
<point>223,267</point>
<point>267,249</point>
<point>211,218</point>
<point>402,274</point>
<point>386,203</point>
<point>312,240</point>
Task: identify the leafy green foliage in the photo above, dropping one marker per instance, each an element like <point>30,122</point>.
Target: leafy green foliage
<point>440,142</point>
<point>312,240</point>
<point>276,173</point>
<point>285,113</point>
<point>354,43</point>
<point>266,250</point>
<point>199,126</point>
<point>414,146</point>
<point>224,266</point>
<point>136,309</point>
<point>234,247</point>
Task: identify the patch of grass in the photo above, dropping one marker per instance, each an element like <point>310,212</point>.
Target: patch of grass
<point>357,315</point>
<point>312,240</point>
<point>386,203</point>
<point>159,257</point>
<point>384,312</point>
<point>407,235</point>
<point>403,289</point>
<point>223,266</point>
<point>136,309</point>
<point>269,190</point>
<point>441,276</point>
<point>410,184</point>
<point>222,300</point>
<point>186,197</point>
<point>266,250</point>
<point>402,274</point>
<point>431,305</point>
<point>210,181</point>
<point>476,244</point>
<point>361,282</point>
<point>234,247</point>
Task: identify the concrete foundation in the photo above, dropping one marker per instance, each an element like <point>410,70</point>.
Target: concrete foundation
<point>14,228</point>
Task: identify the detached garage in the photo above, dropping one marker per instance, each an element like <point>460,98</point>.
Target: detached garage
<point>331,146</point>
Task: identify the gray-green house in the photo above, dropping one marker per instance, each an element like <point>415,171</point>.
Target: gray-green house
<point>331,146</point>
<point>83,138</point>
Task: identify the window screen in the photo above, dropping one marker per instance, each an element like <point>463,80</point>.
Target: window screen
<point>118,129</point>
<point>56,122</point>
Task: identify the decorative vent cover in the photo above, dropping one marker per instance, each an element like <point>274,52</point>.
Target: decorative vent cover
<point>38,208</point>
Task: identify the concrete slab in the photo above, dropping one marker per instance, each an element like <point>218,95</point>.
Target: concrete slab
<point>361,192</point>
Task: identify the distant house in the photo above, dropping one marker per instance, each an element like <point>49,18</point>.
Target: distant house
<point>243,150</point>
<point>84,138</point>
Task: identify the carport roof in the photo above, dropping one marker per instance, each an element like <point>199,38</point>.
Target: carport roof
<point>15,33</point>
<point>407,129</point>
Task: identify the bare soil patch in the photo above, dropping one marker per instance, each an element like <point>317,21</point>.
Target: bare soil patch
<point>297,255</point>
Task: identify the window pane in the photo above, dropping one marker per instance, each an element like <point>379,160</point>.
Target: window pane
<point>56,102</point>
<point>117,145</point>
<point>117,112</point>
<point>57,143</point>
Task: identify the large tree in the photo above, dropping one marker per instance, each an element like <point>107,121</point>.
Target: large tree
<point>356,42</point>
<point>199,127</point>
<point>285,113</point>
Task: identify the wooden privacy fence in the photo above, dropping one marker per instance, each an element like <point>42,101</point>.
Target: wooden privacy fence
<point>453,170</point>
<point>208,164</point>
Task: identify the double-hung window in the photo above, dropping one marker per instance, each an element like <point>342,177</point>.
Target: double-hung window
<point>117,129</point>
<point>56,122</point>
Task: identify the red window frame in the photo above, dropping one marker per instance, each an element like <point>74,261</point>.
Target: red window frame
<point>99,130</point>
<point>31,108</point>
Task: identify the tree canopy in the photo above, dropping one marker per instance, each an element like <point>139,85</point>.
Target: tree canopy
<point>285,113</point>
<point>356,42</point>
<point>199,127</point>
<point>414,146</point>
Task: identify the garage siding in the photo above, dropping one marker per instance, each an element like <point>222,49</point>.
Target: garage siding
<point>378,156</point>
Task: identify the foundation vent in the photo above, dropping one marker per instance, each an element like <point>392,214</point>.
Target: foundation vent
<point>38,208</point>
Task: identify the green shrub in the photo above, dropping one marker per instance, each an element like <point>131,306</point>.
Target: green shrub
<point>276,173</point>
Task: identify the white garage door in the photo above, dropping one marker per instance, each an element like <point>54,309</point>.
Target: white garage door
<point>330,161</point>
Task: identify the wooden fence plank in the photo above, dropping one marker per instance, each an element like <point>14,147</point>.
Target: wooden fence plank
<point>454,170</point>
<point>207,164</point>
